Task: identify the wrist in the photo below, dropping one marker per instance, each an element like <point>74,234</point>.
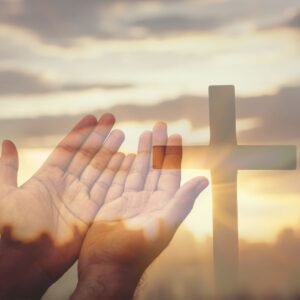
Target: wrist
<point>22,284</point>
<point>107,282</point>
<point>21,277</point>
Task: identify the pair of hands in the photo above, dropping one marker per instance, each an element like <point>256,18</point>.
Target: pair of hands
<point>115,212</point>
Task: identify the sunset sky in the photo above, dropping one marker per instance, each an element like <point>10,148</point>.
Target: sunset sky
<point>154,60</point>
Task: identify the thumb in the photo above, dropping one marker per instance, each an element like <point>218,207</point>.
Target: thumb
<point>9,164</point>
<point>182,203</point>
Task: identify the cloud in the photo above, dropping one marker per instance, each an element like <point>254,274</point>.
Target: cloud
<point>278,115</point>
<point>23,129</point>
<point>53,20</point>
<point>165,25</point>
<point>294,22</point>
<point>16,82</point>
<point>65,22</point>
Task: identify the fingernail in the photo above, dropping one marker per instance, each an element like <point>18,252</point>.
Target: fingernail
<point>202,185</point>
<point>107,119</point>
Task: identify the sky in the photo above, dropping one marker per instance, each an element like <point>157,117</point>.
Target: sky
<point>154,60</point>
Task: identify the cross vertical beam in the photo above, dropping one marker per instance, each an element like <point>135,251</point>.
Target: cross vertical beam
<point>222,117</point>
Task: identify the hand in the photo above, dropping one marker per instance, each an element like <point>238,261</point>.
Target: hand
<point>43,222</point>
<point>140,215</point>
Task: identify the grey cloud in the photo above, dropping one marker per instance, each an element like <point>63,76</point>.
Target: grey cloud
<point>23,129</point>
<point>176,23</point>
<point>57,21</point>
<point>294,22</point>
<point>64,22</point>
<point>279,115</point>
<point>15,82</point>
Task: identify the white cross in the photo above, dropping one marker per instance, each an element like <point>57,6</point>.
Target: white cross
<point>224,157</point>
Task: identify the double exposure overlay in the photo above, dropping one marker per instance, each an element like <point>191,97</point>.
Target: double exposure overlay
<point>135,76</point>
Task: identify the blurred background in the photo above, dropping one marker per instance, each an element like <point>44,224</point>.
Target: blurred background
<point>154,60</point>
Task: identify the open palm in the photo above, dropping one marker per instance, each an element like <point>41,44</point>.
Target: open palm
<point>44,221</point>
<point>143,208</point>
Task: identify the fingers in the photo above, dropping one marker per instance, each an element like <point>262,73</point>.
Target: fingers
<point>9,164</point>
<point>68,147</point>
<point>100,161</point>
<point>170,176</point>
<point>104,182</point>
<point>91,145</point>
<point>137,175</point>
<point>160,138</point>
<point>182,203</point>
<point>117,186</point>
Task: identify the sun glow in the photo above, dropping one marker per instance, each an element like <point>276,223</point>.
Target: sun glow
<point>261,214</point>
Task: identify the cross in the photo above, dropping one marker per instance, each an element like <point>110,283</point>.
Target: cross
<point>224,157</point>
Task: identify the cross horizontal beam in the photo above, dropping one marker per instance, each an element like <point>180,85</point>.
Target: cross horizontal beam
<point>241,157</point>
